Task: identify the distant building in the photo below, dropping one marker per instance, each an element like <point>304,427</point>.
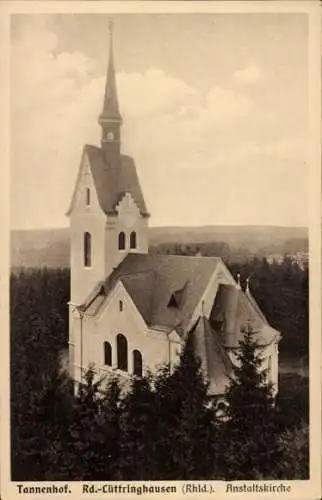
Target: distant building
<point>129,310</point>
<point>299,258</point>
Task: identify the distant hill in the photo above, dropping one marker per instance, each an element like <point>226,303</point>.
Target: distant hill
<point>50,247</point>
<point>40,248</point>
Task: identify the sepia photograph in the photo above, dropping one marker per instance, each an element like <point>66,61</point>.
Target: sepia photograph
<point>160,248</point>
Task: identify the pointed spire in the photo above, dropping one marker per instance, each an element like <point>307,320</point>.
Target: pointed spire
<point>111,105</point>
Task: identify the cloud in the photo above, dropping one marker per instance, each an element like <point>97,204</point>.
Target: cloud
<point>192,150</point>
<point>251,74</point>
<point>151,93</point>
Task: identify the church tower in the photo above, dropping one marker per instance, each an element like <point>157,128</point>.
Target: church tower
<point>110,119</point>
<point>108,215</point>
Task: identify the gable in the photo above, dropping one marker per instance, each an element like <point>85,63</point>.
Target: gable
<point>84,181</point>
<point>111,180</point>
<point>206,299</point>
<point>110,308</point>
<point>128,210</point>
<point>151,280</point>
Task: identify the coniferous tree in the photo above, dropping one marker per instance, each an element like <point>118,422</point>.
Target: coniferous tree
<point>82,448</point>
<point>185,423</point>
<point>109,420</point>
<point>137,424</point>
<point>248,437</point>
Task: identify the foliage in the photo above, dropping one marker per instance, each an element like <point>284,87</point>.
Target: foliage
<point>164,427</point>
<point>248,432</point>
<point>39,330</point>
<point>281,291</point>
<point>186,428</point>
<point>293,443</point>
<point>292,402</point>
<point>138,423</point>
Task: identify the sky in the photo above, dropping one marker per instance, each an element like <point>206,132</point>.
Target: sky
<point>214,107</point>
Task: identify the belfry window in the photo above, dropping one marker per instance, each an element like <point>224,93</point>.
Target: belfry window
<point>133,240</point>
<point>107,354</point>
<point>87,250</point>
<point>122,357</point>
<point>137,363</point>
<point>88,197</point>
<point>122,241</point>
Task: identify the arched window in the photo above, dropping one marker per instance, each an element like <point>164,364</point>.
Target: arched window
<point>88,196</point>
<point>137,363</point>
<point>107,354</point>
<point>87,250</point>
<point>122,241</point>
<point>121,344</point>
<point>133,240</point>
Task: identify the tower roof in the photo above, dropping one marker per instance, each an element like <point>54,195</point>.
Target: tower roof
<point>111,106</point>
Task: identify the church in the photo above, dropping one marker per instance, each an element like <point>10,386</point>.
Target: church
<point>131,311</point>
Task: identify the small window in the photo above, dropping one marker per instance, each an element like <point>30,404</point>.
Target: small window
<point>122,241</point>
<point>107,354</point>
<point>121,305</point>
<point>137,363</point>
<point>87,250</point>
<point>133,240</point>
<point>122,361</point>
<point>270,369</point>
<point>88,197</point>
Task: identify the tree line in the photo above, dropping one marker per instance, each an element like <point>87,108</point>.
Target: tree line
<point>164,427</point>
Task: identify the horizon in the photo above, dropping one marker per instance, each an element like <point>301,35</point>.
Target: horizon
<point>176,226</point>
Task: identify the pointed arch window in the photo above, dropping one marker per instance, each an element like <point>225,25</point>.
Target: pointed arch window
<point>122,241</point>
<point>137,363</point>
<point>88,197</point>
<point>122,356</point>
<point>133,239</point>
<point>87,250</point>
<point>107,354</point>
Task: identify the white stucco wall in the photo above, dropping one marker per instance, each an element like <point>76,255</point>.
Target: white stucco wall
<point>104,232</point>
<point>128,219</point>
<point>83,219</point>
<point>153,345</point>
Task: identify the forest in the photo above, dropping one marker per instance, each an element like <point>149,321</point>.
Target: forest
<point>161,428</point>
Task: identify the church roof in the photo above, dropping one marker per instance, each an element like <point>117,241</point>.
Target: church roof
<point>151,281</point>
<point>113,180</point>
<point>215,362</point>
<point>233,311</point>
<point>166,290</point>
